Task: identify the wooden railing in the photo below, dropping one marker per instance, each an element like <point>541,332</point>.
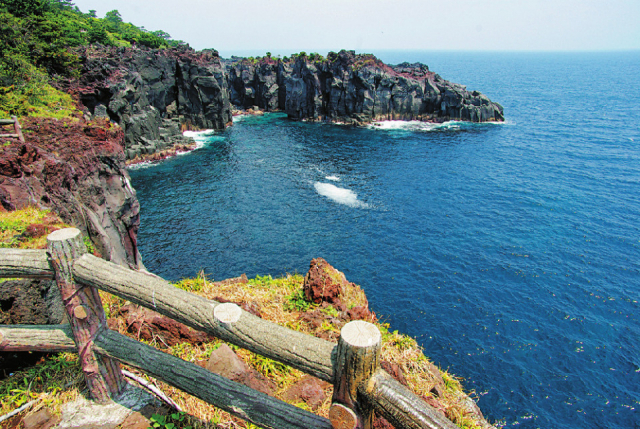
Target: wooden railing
<point>16,127</point>
<point>360,385</point>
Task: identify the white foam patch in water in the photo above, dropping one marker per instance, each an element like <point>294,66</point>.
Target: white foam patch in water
<point>200,137</point>
<point>414,125</point>
<point>333,178</point>
<point>339,195</point>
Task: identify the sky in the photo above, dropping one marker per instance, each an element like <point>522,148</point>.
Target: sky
<point>253,27</point>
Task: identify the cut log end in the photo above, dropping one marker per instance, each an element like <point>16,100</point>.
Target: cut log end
<point>227,312</point>
<point>1,337</point>
<point>63,234</point>
<point>80,312</point>
<point>342,417</point>
<point>361,334</point>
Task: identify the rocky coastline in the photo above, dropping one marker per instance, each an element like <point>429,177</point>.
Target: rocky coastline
<point>154,95</point>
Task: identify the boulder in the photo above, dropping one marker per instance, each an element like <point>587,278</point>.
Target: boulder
<point>225,362</point>
<point>151,326</point>
<point>323,283</point>
<point>309,390</point>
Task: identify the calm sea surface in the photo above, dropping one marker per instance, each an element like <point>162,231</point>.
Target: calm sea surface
<point>511,252</point>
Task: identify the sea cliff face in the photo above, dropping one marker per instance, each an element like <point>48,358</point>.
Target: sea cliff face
<point>354,88</point>
<point>78,171</point>
<point>155,94</point>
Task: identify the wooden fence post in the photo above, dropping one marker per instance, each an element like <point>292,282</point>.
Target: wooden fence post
<point>17,128</point>
<point>86,315</point>
<point>357,358</point>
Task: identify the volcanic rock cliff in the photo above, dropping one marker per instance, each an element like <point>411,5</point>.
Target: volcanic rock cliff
<point>352,88</point>
<point>77,170</point>
<point>155,94</point>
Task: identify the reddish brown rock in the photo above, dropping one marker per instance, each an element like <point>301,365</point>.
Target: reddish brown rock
<point>382,423</point>
<point>225,362</point>
<point>42,419</point>
<point>150,326</point>
<point>309,390</point>
<point>439,386</point>
<point>135,421</point>
<point>394,371</point>
<point>360,312</point>
<point>78,171</point>
<point>323,283</point>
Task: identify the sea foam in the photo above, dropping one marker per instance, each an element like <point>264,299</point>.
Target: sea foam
<point>339,195</point>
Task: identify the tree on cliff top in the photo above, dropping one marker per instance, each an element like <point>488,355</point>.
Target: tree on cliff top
<point>37,38</point>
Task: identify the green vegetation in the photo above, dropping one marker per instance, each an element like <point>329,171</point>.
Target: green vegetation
<point>45,381</point>
<point>297,301</point>
<point>38,38</point>
<point>172,421</point>
<point>27,228</point>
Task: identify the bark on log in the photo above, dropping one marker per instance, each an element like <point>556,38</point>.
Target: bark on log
<point>308,354</point>
<point>235,398</point>
<point>37,338</point>
<point>401,407</point>
<point>24,263</point>
<point>358,357</point>
<point>86,316</point>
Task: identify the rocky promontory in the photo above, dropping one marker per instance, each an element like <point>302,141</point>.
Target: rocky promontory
<point>154,95</point>
<point>354,88</point>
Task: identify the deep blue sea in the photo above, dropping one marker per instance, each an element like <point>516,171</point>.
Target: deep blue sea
<point>511,252</point>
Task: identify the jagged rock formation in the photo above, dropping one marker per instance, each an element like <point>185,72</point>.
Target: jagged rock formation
<point>78,171</point>
<point>354,88</point>
<point>154,94</point>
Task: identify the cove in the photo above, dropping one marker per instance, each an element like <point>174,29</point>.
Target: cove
<point>510,251</point>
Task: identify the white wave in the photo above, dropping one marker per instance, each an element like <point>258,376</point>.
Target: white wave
<point>239,118</point>
<point>339,195</point>
<point>414,125</point>
<point>333,178</point>
<point>141,165</point>
<point>198,134</point>
<point>428,126</point>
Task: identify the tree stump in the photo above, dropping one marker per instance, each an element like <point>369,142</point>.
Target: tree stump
<point>86,315</point>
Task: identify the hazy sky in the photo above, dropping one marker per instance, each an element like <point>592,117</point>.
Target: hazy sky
<point>366,25</point>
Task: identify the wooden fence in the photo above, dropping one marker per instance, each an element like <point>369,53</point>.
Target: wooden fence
<point>16,127</point>
<point>360,385</point>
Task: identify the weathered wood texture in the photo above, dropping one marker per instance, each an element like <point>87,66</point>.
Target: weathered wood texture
<point>308,354</point>
<point>24,263</point>
<point>235,398</point>
<point>401,407</point>
<point>86,315</point>
<point>358,357</point>
<point>36,338</point>
<point>16,127</point>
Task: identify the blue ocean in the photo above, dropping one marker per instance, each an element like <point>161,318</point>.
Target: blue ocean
<point>511,252</point>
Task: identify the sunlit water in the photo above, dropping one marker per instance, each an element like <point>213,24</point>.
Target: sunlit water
<point>511,252</point>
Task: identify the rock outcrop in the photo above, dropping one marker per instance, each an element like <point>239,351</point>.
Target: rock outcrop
<point>78,171</point>
<point>154,94</point>
<point>354,88</point>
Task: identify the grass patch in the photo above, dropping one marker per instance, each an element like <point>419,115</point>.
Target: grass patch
<point>15,231</point>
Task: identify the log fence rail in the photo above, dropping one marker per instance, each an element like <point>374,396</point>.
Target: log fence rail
<point>352,366</point>
<point>16,127</point>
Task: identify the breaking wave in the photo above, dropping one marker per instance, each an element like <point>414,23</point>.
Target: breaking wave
<point>339,195</point>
